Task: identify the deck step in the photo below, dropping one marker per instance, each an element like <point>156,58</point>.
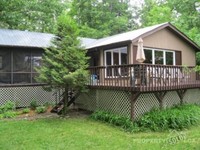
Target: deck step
<point>59,107</point>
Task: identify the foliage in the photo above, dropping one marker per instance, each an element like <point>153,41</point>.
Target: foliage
<point>34,15</point>
<point>115,120</point>
<point>9,114</point>
<point>65,63</point>
<point>33,104</point>
<point>25,110</point>
<point>7,107</point>
<point>41,109</point>
<point>198,58</point>
<point>7,110</point>
<point>102,18</point>
<point>47,104</point>
<point>184,15</point>
<point>178,118</point>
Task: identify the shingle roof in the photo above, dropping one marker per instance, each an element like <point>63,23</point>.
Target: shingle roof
<point>24,38</point>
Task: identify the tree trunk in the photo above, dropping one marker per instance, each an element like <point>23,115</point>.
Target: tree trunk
<point>65,101</point>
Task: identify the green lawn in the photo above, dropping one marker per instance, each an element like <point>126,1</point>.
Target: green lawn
<point>82,133</point>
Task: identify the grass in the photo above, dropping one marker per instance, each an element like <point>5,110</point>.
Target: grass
<point>82,133</point>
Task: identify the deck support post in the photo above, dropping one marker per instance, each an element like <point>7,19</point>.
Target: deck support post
<point>160,96</point>
<point>134,96</point>
<point>181,94</point>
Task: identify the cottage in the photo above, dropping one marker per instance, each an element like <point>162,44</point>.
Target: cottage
<point>120,84</point>
<point>119,81</point>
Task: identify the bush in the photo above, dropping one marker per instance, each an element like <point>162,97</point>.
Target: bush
<point>41,109</point>
<point>9,114</point>
<point>33,104</point>
<point>116,120</point>
<point>7,107</point>
<point>25,110</point>
<point>178,118</point>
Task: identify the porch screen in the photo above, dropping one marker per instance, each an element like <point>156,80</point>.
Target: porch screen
<point>5,66</point>
<point>17,65</point>
<point>115,57</point>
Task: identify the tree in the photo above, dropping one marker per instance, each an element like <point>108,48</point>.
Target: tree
<point>155,12</point>
<point>64,64</point>
<point>97,18</point>
<point>34,15</point>
<point>185,15</point>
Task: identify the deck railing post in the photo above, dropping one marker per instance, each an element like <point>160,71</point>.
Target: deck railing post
<point>133,99</point>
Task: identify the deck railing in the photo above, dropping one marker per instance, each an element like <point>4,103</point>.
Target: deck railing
<point>144,77</point>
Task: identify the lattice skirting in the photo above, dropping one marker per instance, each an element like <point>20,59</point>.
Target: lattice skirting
<point>148,101</point>
<point>22,96</point>
<point>118,102</point>
<point>114,101</point>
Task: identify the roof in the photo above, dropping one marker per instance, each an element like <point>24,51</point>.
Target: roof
<point>24,38</point>
<point>87,41</point>
<point>133,36</point>
<point>42,40</point>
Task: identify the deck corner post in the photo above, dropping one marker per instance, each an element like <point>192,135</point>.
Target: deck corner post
<point>133,99</point>
<point>160,96</point>
<point>181,94</point>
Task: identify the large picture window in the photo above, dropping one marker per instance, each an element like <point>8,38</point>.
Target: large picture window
<point>117,56</point>
<point>157,56</point>
<point>17,66</point>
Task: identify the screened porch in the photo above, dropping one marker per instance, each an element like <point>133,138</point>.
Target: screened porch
<point>17,65</point>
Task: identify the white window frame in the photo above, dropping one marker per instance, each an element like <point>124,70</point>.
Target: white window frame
<point>164,55</point>
<point>119,49</point>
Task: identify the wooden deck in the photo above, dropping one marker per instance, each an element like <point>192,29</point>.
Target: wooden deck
<point>144,78</point>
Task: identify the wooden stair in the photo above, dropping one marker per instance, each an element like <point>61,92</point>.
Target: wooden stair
<point>59,107</point>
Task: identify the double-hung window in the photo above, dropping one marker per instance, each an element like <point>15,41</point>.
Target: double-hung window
<point>113,57</point>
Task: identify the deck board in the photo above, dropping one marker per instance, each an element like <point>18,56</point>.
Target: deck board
<point>147,88</point>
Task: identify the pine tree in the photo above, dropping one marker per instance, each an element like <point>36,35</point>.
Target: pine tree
<point>64,63</point>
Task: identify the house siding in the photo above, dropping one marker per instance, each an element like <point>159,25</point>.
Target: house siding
<point>166,39</point>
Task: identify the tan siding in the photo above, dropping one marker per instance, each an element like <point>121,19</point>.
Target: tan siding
<point>166,39</point>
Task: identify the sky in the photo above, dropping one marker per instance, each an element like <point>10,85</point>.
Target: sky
<point>136,2</point>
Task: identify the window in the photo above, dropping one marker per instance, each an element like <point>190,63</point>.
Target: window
<point>148,55</point>
<point>5,66</point>
<point>156,56</point>
<point>22,61</point>
<point>5,61</point>
<point>116,56</point>
<point>1,62</point>
<point>169,58</point>
<point>17,66</point>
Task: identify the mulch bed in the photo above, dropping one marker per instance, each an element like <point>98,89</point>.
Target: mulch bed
<point>32,115</point>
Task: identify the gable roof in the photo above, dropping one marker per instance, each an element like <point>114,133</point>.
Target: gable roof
<point>24,38</point>
<point>43,40</point>
<point>133,36</point>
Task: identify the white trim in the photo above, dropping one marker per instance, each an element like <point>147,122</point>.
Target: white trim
<point>119,50</point>
<point>164,55</point>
